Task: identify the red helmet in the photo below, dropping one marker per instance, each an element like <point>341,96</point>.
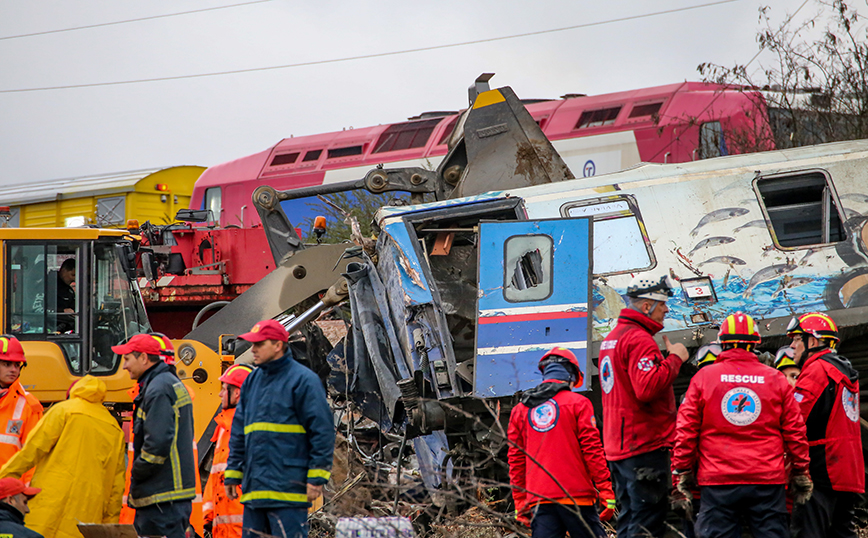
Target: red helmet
<point>236,374</point>
<point>562,354</point>
<point>815,324</point>
<point>738,328</point>
<point>11,350</point>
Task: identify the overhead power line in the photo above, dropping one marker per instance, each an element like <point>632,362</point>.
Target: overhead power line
<point>374,55</point>
<point>99,25</point>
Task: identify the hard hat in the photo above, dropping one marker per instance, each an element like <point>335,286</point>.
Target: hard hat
<point>815,324</point>
<point>268,329</point>
<point>562,354</point>
<point>11,350</point>
<point>707,354</point>
<point>656,289</point>
<point>784,358</point>
<point>236,374</point>
<point>738,327</point>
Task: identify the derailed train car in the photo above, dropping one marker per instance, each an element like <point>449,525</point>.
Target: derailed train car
<point>458,298</point>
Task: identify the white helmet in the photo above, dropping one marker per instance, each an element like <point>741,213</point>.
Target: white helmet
<point>656,289</point>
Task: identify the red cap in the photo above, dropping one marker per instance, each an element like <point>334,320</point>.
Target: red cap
<point>266,330</point>
<point>150,344</point>
<point>13,486</point>
<point>10,349</point>
<point>236,374</point>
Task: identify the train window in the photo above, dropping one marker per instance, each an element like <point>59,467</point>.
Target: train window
<point>413,134</point>
<point>344,152</point>
<point>312,155</point>
<point>597,118</point>
<point>286,158</point>
<point>448,131</point>
<point>620,243</point>
<point>712,143</point>
<point>528,268</point>
<point>650,109</point>
<point>110,211</point>
<point>213,203</point>
<point>802,209</point>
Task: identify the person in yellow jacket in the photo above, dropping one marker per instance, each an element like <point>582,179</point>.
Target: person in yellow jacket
<point>78,452</point>
<point>20,411</point>
<point>222,515</point>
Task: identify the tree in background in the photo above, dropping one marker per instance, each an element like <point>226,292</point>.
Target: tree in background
<point>360,204</point>
<point>815,87</point>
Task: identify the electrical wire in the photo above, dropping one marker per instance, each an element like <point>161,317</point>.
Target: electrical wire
<point>374,55</point>
<point>99,25</point>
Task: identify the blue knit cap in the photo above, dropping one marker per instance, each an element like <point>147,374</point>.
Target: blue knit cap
<point>557,370</point>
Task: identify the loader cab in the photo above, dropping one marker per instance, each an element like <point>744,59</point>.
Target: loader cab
<point>68,295</point>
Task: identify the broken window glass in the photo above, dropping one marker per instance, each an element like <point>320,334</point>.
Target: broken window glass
<point>528,268</point>
<point>802,209</point>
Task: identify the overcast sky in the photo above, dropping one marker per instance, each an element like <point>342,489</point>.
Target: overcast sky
<point>205,121</point>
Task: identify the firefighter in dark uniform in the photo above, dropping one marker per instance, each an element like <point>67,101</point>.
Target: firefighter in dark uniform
<point>827,391</point>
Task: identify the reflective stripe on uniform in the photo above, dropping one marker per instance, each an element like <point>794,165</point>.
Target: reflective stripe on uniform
<point>150,458</point>
<point>233,474</point>
<point>318,473</point>
<point>217,468</point>
<point>273,427</point>
<point>208,507</point>
<point>163,497</point>
<point>274,496</point>
<point>19,407</point>
<point>197,498</point>
<point>10,440</point>
<point>229,519</point>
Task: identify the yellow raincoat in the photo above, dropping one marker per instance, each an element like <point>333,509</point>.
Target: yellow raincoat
<point>78,451</point>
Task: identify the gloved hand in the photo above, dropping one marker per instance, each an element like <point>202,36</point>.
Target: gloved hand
<point>681,498</point>
<point>801,488</point>
<point>608,502</point>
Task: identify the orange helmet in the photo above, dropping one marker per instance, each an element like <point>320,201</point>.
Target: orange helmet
<point>11,350</point>
<point>236,374</point>
<point>815,324</point>
<point>738,328</point>
<point>562,354</point>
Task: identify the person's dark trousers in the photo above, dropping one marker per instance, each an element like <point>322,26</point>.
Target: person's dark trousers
<point>688,527</point>
<point>642,486</point>
<point>169,519</point>
<point>763,507</point>
<point>552,520</point>
<point>279,522</point>
<point>827,513</point>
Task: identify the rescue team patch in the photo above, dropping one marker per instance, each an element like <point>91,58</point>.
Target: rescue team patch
<point>13,427</point>
<point>799,397</point>
<point>543,417</point>
<point>645,364</point>
<point>741,406</point>
<point>851,404</point>
<point>607,375</point>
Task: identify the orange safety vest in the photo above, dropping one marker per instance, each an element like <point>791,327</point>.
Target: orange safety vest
<point>225,515</point>
<point>128,513</point>
<point>20,411</point>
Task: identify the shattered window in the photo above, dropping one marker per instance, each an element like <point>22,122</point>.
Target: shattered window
<point>528,268</point>
<point>802,209</point>
<point>620,246</point>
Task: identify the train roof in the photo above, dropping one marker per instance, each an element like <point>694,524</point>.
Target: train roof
<point>75,187</point>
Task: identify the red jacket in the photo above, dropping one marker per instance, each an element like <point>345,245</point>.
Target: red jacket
<point>828,393</point>
<point>738,420</point>
<point>638,401</point>
<point>557,434</point>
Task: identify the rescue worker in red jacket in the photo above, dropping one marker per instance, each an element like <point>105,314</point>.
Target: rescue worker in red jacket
<point>557,470</point>
<point>827,391</point>
<point>737,424</point>
<point>224,516</point>
<point>639,407</point>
